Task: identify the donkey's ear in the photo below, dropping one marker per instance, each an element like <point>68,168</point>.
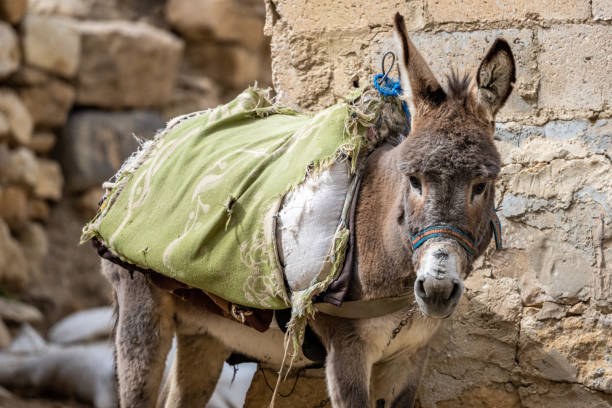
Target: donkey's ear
<point>495,78</point>
<point>419,84</point>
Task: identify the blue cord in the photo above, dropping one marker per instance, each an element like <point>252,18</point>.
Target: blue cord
<point>390,87</point>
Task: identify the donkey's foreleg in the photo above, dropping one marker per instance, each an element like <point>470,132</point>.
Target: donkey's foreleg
<point>195,371</point>
<point>143,336</point>
<point>395,382</point>
<point>348,371</point>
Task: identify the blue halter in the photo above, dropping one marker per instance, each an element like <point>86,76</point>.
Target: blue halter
<point>388,86</point>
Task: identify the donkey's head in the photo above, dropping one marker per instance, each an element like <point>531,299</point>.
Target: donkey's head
<point>448,166</point>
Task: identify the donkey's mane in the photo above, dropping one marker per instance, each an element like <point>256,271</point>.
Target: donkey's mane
<point>458,85</point>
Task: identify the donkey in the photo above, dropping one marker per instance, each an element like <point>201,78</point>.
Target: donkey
<point>441,175</point>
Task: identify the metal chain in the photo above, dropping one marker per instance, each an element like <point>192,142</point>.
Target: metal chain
<point>400,326</point>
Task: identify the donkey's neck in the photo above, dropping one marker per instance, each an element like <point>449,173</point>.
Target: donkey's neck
<point>383,252</point>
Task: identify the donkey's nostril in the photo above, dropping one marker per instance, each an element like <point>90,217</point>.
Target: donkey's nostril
<point>456,290</point>
<point>419,288</point>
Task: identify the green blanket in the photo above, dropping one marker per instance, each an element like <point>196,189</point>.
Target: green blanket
<point>198,203</point>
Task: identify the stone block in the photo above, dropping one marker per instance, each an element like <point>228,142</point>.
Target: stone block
<point>548,394</point>
<point>192,93</point>
<point>461,11</point>
<point>571,349</point>
<point>70,8</point>
<point>126,64</point>
<point>19,167</point>
<point>13,10</point>
<point>14,274</point>
<point>465,50</point>
<point>5,336</point>
<point>27,75</point>
<point>5,129</point>
<point>38,210</point>
<point>49,180</point>
<point>94,144</point>
<point>328,17</point>
<point>10,54</point>
<point>89,201</point>
<point>34,242</point>
<point>235,68</point>
<point>52,43</point>
<point>42,142</point>
<point>223,20</point>
<point>18,117</point>
<point>16,311</point>
<point>576,71</point>
<point>49,103</point>
<point>14,206</point>
<point>602,9</point>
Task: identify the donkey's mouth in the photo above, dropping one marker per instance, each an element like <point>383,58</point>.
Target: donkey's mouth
<point>437,298</point>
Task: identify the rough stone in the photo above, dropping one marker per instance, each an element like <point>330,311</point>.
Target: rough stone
<point>49,103</point>
<point>13,206</point>
<point>17,115</point>
<point>324,16</point>
<point>13,264</point>
<point>126,64</point>
<point>551,310</point>
<point>233,68</point>
<point>52,43</point>
<point>576,74</point>
<point>532,327</point>
<point>42,142</point>
<point>602,10</point>
<point>596,136</point>
<point>481,336</point>
<point>547,394</point>
<point>89,201</point>
<point>49,180</point>
<point>15,311</point>
<point>34,243</point>
<point>71,8</point>
<point>311,392</point>
<point>94,143</point>
<point>9,50</point>
<point>572,349</point>
<point>27,75</point>
<point>38,210</point>
<point>141,10</point>
<point>458,11</point>
<point>466,50</point>
<point>5,129</point>
<point>192,93</point>
<point>19,167</point>
<point>5,336</point>
<point>224,20</point>
<point>13,10</point>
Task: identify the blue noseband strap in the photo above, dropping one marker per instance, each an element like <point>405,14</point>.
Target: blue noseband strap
<point>461,237</point>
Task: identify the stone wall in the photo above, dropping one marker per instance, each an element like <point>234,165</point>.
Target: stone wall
<point>534,327</point>
<point>79,78</point>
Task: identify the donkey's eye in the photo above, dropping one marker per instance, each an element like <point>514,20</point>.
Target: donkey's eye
<point>479,188</point>
<point>415,183</point>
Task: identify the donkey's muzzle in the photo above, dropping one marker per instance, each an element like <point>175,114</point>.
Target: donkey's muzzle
<point>438,296</point>
<point>438,287</point>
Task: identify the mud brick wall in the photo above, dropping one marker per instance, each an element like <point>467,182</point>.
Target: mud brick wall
<point>533,329</point>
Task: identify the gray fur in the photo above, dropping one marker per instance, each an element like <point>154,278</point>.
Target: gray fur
<point>449,151</point>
